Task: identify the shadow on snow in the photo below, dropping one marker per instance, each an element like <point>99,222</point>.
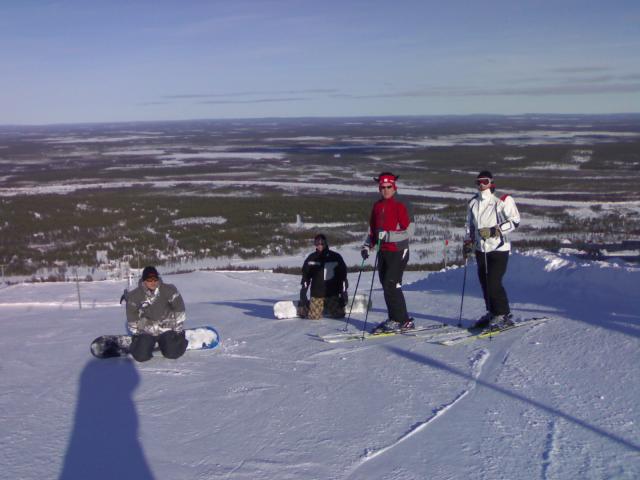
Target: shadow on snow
<point>104,443</point>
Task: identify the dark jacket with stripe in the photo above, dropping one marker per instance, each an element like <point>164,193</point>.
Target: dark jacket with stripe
<point>326,272</point>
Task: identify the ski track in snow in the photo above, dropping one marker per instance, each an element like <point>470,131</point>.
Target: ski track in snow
<point>550,448</point>
<point>476,364</point>
<point>71,304</point>
<point>171,372</point>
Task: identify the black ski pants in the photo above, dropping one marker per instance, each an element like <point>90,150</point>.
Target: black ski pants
<point>172,345</point>
<point>490,273</point>
<point>391,267</point>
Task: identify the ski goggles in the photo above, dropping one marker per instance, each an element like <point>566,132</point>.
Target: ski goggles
<point>484,181</point>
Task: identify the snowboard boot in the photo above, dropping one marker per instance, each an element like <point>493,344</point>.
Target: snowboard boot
<point>483,322</point>
<point>108,348</point>
<point>386,327</point>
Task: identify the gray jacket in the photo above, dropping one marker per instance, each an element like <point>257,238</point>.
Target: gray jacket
<point>155,311</point>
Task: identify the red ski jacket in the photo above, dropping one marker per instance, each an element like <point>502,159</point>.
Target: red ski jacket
<point>390,216</point>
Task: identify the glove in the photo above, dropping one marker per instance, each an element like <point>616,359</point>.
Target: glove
<point>486,233</point>
<point>124,297</point>
<point>383,236</point>
<point>467,248</point>
<point>303,297</point>
<point>344,298</point>
<point>364,253</point>
<point>143,325</point>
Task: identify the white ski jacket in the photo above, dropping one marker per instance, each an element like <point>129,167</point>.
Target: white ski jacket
<point>486,210</point>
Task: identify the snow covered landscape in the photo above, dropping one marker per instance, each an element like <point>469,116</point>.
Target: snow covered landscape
<point>552,401</point>
<point>230,145</point>
<point>95,199</point>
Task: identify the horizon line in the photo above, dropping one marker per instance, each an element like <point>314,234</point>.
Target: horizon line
<point>319,117</point>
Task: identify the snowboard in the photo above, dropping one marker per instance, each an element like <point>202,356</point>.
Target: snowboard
<point>288,308</point>
<point>108,346</point>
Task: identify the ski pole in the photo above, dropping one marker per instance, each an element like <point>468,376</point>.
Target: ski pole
<point>373,277</point>
<point>486,282</point>
<point>346,322</point>
<point>464,283</point>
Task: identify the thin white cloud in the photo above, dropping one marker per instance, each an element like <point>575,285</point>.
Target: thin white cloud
<point>572,88</point>
<point>248,93</point>
<point>581,69</point>
<point>254,100</point>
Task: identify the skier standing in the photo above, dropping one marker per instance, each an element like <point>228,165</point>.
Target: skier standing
<point>325,272</point>
<point>390,228</point>
<point>155,313</point>
<point>489,221</point>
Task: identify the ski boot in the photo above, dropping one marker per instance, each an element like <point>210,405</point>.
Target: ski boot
<point>500,322</point>
<point>387,326</point>
<point>483,322</point>
<point>407,325</point>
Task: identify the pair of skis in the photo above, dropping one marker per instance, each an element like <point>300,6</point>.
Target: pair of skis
<point>442,334</point>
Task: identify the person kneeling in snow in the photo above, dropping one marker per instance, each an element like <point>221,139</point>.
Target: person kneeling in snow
<point>155,313</point>
<point>326,273</point>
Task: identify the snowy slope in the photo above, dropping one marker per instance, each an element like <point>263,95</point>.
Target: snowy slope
<point>555,401</point>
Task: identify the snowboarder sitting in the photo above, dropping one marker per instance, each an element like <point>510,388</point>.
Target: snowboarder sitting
<point>326,273</point>
<point>155,313</point>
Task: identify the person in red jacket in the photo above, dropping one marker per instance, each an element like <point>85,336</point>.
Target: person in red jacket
<point>390,228</point>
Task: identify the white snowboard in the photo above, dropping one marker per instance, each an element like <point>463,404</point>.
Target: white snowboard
<point>287,308</point>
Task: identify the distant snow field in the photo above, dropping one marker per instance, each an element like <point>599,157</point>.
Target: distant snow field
<point>200,220</point>
<point>226,155</point>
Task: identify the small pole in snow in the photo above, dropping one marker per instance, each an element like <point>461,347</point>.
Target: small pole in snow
<point>446,244</point>
<point>78,289</point>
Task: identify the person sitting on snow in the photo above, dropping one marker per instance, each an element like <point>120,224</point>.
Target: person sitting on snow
<point>155,314</point>
<point>326,273</point>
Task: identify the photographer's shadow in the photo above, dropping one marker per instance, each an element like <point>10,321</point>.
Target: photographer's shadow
<point>104,443</point>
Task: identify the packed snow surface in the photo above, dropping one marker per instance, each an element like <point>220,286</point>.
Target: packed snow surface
<point>558,400</point>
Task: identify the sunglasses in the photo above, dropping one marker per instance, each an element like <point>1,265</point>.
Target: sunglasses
<point>388,187</point>
<point>483,181</point>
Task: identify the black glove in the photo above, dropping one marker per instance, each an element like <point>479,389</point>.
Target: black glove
<point>303,297</point>
<point>467,248</point>
<point>124,296</point>
<point>364,253</point>
<point>344,298</point>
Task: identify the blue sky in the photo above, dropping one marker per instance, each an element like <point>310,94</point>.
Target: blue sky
<point>81,61</point>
